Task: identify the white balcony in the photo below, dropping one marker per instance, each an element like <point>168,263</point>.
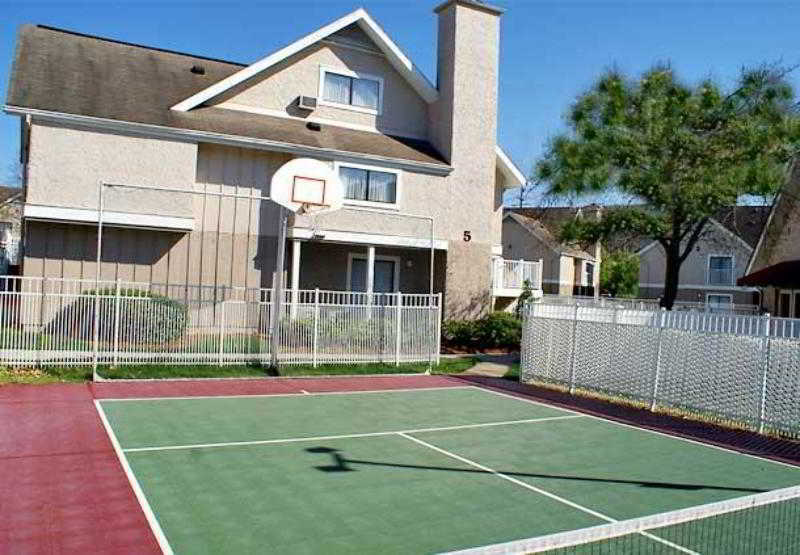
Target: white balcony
<point>509,277</point>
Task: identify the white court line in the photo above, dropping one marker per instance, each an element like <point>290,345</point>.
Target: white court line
<point>318,393</point>
<point>641,429</point>
<point>137,489</point>
<point>538,490</point>
<point>347,436</point>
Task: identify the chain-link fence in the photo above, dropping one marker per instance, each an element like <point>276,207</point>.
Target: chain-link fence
<point>732,369</point>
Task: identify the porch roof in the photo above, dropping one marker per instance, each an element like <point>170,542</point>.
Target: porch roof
<point>783,274</point>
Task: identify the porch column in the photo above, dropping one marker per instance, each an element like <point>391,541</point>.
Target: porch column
<point>296,247</point>
<point>370,269</point>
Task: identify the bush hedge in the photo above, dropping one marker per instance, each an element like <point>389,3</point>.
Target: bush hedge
<point>498,330</point>
<point>144,317</point>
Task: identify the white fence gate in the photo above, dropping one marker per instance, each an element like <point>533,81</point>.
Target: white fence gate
<point>733,369</point>
<point>51,322</point>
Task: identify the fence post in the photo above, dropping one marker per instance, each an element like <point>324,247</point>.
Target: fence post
<point>765,347</point>
<point>116,323</point>
<point>657,370</point>
<point>574,349</point>
<point>314,338</point>
<point>39,341</point>
<point>398,328</point>
<point>438,328</point>
<point>221,330</point>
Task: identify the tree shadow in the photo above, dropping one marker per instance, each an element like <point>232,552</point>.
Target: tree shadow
<point>341,463</point>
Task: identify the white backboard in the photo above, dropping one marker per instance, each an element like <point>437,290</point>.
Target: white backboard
<point>309,183</point>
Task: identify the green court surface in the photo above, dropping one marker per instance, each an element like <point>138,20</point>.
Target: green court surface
<point>414,471</point>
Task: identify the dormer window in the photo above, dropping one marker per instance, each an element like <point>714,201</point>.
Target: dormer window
<point>353,91</point>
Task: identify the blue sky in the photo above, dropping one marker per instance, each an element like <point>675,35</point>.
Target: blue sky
<point>551,50</point>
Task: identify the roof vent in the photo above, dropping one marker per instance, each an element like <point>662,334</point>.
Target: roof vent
<point>314,126</point>
<point>199,70</point>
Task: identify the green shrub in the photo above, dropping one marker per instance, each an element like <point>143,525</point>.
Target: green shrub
<point>144,317</point>
<point>499,330</point>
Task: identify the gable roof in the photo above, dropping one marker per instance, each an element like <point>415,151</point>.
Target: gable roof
<point>745,223</point>
<point>393,54</point>
<point>547,227</point>
<point>102,82</point>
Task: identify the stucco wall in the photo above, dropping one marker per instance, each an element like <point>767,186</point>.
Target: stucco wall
<point>781,240</point>
<point>67,163</point>
<point>518,243</point>
<point>404,111</point>
<point>464,129</point>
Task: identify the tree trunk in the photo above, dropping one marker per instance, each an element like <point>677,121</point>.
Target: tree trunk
<point>673,269</point>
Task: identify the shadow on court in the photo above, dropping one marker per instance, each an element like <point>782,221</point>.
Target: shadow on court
<point>340,463</point>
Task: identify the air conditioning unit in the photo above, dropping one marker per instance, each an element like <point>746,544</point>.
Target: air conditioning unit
<point>307,103</point>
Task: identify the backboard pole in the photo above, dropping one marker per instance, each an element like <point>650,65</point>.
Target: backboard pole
<point>96,326</point>
<point>277,289</point>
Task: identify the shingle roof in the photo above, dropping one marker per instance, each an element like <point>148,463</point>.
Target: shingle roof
<point>545,224</point>
<point>745,221</point>
<point>8,192</point>
<point>62,71</point>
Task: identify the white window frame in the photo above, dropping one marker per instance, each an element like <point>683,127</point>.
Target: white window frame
<point>585,272</point>
<point>349,73</point>
<point>362,256</point>
<point>792,294</point>
<point>369,203</point>
<point>708,269</point>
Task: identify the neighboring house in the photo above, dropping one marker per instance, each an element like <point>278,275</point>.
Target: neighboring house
<point>775,264</point>
<point>98,110</point>
<point>10,229</point>
<point>532,234</point>
<point>720,257</point>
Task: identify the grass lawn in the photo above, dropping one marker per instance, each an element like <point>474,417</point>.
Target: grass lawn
<point>83,373</point>
<point>62,374</point>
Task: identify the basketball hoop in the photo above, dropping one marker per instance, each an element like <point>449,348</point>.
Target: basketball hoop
<point>307,187</point>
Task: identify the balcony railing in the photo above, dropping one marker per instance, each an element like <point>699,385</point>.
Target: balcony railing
<point>509,276</point>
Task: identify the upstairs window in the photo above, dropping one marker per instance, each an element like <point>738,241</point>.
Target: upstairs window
<point>720,270</point>
<point>368,185</point>
<point>351,90</point>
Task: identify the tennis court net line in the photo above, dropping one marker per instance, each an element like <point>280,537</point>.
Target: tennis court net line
<point>759,523</point>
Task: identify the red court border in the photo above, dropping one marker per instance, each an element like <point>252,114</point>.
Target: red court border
<point>64,489</point>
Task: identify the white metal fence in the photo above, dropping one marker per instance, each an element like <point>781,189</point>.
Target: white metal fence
<point>732,369</point>
<point>650,304</point>
<point>512,274</point>
<point>51,322</point>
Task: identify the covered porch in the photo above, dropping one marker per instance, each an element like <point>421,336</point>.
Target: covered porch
<point>363,267</point>
<point>780,288</point>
